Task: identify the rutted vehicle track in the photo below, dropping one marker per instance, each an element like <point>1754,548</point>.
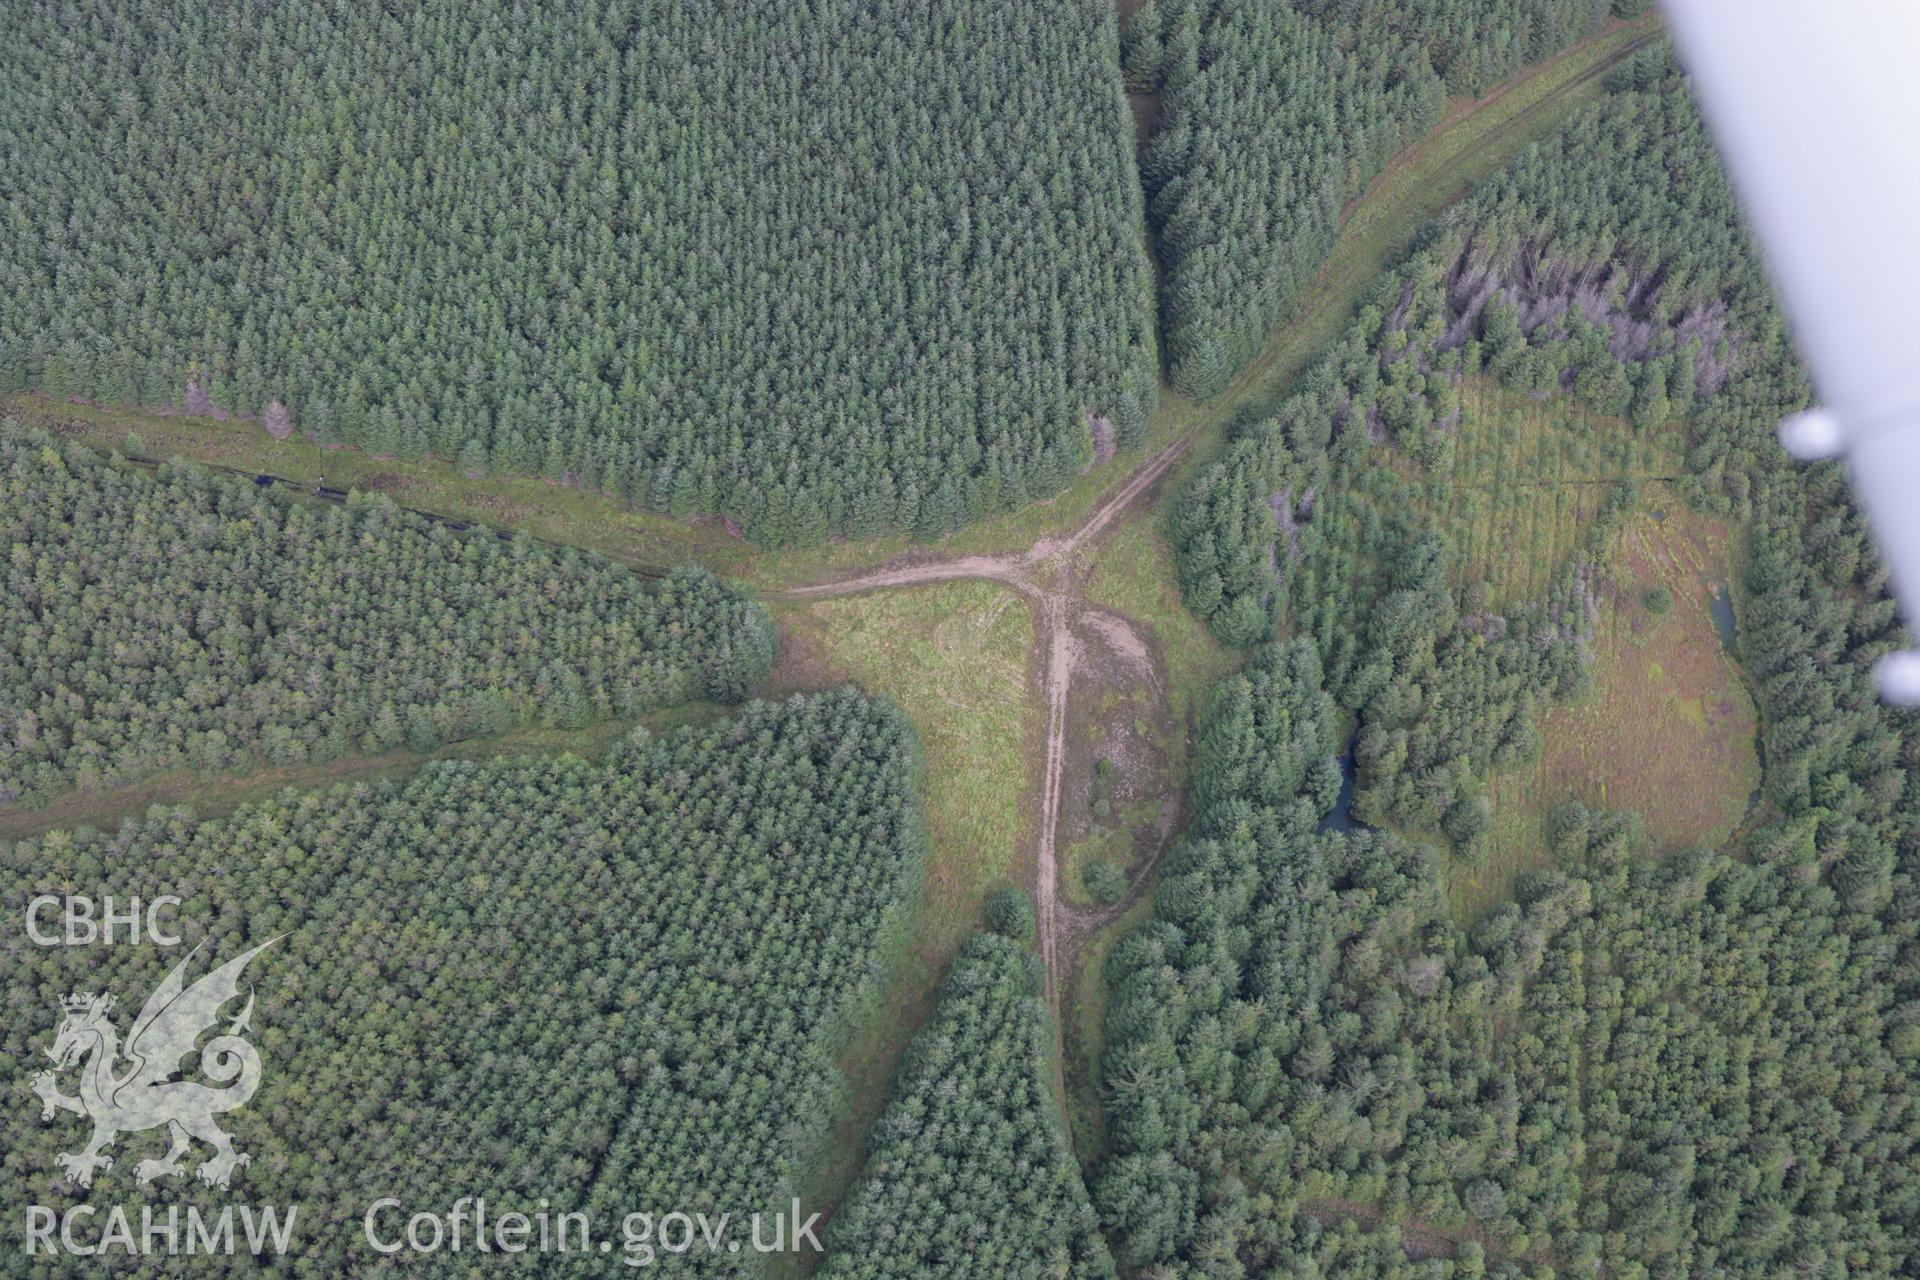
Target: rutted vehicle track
<point>1051,576</point>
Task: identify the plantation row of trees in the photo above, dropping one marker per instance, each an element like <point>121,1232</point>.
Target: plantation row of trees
<point>969,1173</point>
<point>837,265</point>
<point>1697,1067</point>
<point>1276,112</point>
<point>609,987</point>
<point>177,617</point>
<point>1609,267</point>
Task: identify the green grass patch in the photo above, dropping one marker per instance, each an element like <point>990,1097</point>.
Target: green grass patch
<point>1669,729</point>
<point>1133,576</point>
<point>955,656</point>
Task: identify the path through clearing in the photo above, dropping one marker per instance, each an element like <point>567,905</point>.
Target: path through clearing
<point>1052,576</point>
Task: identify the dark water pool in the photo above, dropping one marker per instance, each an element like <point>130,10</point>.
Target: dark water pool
<point>1340,817</point>
<point>1721,602</point>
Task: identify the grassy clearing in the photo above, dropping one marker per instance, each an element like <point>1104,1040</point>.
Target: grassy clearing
<point>956,658</point>
<point>1528,479</point>
<point>1133,576</point>
<point>1669,729</point>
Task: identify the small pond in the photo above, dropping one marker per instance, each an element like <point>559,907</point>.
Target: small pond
<point>1721,602</point>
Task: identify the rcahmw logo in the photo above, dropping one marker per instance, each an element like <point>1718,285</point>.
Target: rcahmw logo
<point>131,1087</point>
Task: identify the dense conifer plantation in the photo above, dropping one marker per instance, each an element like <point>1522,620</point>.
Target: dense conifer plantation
<point>969,1173</point>
<point>1275,113</point>
<point>616,986</point>
<point>1702,1065</point>
<point>856,266</point>
<point>827,265</point>
<point>179,617</point>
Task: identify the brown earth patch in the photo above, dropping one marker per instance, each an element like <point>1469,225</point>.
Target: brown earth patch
<point>1117,783</point>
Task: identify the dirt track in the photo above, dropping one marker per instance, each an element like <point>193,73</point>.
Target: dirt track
<point>1050,575</point>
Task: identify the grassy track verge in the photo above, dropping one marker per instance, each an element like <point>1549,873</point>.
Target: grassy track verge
<point>216,795</point>
<point>956,657</point>
<point>1086,1041</point>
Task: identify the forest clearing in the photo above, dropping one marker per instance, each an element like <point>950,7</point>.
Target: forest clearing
<point>1669,729</point>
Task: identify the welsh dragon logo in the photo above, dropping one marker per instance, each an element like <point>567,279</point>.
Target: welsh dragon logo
<point>145,1093</point>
